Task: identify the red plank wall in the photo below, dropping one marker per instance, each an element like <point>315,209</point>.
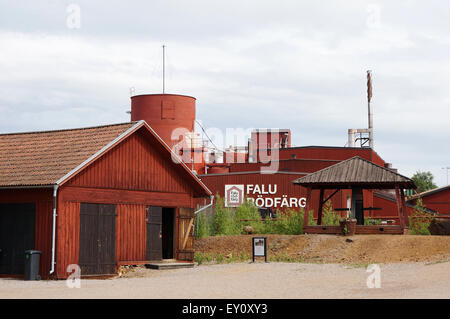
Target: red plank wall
<point>134,164</point>
<point>439,201</point>
<point>132,175</point>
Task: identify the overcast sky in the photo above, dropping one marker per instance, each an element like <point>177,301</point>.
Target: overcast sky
<point>250,64</point>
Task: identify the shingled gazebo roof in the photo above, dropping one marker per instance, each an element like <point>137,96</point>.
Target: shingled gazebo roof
<point>356,172</point>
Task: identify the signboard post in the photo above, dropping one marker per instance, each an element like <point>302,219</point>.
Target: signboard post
<point>259,247</point>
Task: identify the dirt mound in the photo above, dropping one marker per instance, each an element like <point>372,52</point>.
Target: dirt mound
<point>358,249</point>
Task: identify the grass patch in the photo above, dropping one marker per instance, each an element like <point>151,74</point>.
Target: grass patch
<point>440,261</point>
<point>201,258</point>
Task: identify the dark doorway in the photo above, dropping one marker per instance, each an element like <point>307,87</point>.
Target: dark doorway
<point>359,212</point>
<point>17,227</point>
<point>168,225</point>
<point>160,231</point>
<point>154,233</point>
<point>97,254</point>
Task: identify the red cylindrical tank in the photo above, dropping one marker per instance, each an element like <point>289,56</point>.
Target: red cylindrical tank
<point>164,113</point>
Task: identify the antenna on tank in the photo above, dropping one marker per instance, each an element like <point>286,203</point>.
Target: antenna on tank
<point>164,68</point>
<point>370,115</point>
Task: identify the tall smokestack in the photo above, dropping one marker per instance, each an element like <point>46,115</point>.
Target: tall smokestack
<point>369,97</point>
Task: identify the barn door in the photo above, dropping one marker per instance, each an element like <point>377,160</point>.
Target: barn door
<point>97,254</point>
<point>154,233</point>
<point>185,245</point>
<point>17,226</point>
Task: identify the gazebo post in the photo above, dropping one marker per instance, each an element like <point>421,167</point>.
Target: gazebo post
<point>308,199</point>
<point>405,211</point>
<point>399,207</point>
<point>319,214</point>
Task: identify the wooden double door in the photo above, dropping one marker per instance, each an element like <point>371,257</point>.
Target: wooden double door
<point>17,233</point>
<point>97,254</point>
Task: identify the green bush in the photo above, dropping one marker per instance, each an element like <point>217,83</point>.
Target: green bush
<point>220,258</point>
<point>420,220</point>
<point>202,225</point>
<point>290,222</point>
<point>225,222</point>
<point>198,257</point>
<point>329,216</point>
<point>231,221</point>
<point>371,221</point>
<point>248,214</point>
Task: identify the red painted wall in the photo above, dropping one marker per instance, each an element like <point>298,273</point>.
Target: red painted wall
<point>286,165</point>
<point>284,184</point>
<point>439,201</point>
<point>329,153</point>
<point>389,208</point>
<point>132,175</point>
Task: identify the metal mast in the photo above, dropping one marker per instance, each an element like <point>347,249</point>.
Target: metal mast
<point>369,97</point>
<point>164,68</point>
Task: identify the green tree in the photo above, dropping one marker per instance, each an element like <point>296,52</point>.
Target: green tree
<point>424,181</point>
<point>419,221</point>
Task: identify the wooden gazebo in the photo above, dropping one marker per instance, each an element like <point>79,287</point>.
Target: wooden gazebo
<point>356,174</point>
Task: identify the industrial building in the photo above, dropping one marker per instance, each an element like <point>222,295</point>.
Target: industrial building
<point>267,161</point>
<point>126,193</point>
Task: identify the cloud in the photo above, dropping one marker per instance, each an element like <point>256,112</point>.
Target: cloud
<point>294,65</point>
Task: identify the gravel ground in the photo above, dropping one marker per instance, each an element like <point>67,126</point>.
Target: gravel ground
<point>246,280</point>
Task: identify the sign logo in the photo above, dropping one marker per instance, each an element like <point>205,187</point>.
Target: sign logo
<point>234,195</point>
<point>263,195</point>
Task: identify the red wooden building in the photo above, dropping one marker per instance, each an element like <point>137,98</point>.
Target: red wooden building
<point>296,162</point>
<point>98,197</point>
<point>437,199</point>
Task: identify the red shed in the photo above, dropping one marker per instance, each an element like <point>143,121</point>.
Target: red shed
<point>437,199</point>
<point>99,197</point>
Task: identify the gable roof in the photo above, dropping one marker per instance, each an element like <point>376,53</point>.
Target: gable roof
<point>50,158</point>
<point>355,172</point>
<point>430,192</point>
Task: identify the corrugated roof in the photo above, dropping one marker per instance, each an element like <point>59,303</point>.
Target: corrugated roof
<point>42,158</point>
<point>355,171</point>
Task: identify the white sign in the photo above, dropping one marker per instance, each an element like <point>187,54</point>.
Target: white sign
<point>234,195</point>
<point>259,247</point>
<point>261,195</point>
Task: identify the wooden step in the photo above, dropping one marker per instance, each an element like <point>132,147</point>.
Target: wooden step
<point>169,265</point>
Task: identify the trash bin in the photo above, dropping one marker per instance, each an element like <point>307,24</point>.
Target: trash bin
<point>32,265</point>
